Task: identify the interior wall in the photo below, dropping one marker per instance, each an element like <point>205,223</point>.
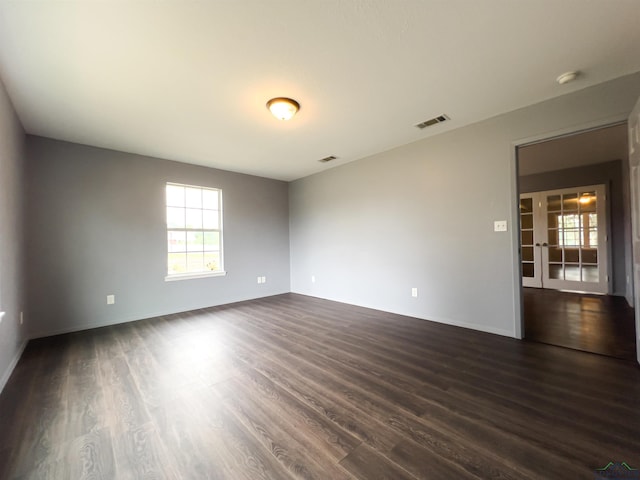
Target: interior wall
<point>634,165</point>
<point>12,335</point>
<point>422,216</point>
<point>609,174</point>
<point>95,226</point>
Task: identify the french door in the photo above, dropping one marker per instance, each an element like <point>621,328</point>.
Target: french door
<point>563,236</point>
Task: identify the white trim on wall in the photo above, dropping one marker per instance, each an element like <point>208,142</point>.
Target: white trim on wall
<point>7,373</point>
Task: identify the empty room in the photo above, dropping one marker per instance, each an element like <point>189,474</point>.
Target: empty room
<point>332,239</point>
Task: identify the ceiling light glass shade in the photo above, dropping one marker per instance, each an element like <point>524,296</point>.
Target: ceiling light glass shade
<point>283,108</point>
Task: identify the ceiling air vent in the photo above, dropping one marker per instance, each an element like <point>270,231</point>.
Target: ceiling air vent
<point>432,121</point>
<point>327,159</point>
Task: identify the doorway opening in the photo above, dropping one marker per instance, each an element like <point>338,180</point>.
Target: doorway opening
<point>575,242</point>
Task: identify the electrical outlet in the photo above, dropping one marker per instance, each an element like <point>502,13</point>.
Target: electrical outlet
<point>414,292</point>
<point>500,226</point>
<point>313,279</point>
<point>264,279</point>
<point>111,299</point>
<point>259,279</point>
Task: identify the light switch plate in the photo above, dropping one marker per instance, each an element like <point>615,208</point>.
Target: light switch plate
<point>500,226</point>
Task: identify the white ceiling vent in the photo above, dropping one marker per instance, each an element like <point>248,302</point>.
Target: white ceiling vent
<point>432,121</point>
<point>327,159</point>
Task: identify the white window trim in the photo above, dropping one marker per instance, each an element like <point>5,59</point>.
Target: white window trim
<point>194,275</point>
<point>190,276</point>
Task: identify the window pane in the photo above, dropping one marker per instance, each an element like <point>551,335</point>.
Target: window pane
<point>194,218</point>
<point>526,221</point>
<point>177,241</point>
<point>593,237</point>
<point>527,254</point>
<point>570,221</point>
<point>590,274</point>
<point>526,237</point>
<point>555,254</point>
<point>210,199</point>
<point>571,238</point>
<point>210,219</point>
<point>195,262</point>
<point>194,241</point>
<point>571,255</point>
<point>553,237</point>
<point>175,217</point>
<point>194,197</point>
<point>528,270</point>
<point>588,201</point>
<point>553,220</point>
<point>553,203</point>
<point>211,241</point>
<point>593,219</point>
<point>556,272</point>
<point>570,201</point>
<point>175,196</point>
<point>590,255</point>
<point>212,261</point>
<point>177,263</point>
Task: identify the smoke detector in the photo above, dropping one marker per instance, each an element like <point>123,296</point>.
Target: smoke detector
<point>567,77</point>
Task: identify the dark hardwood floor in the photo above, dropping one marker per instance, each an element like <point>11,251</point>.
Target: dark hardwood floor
<point>296,387</point>
<point>602,324</point>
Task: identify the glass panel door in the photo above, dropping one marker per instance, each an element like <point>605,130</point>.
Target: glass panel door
<point>568,238</point>
<point>529,252</point>
<point>575,257</point>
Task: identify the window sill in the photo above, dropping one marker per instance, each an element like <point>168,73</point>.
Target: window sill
<point>190,276</point>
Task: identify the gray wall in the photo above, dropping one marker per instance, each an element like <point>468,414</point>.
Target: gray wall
<point>12,336</point>
<point>611,175</point>
<point>422,215</point>
<point>95,225</point>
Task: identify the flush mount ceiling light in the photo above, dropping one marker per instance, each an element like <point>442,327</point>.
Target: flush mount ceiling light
<point>283,108</point>
<point>567,77</point>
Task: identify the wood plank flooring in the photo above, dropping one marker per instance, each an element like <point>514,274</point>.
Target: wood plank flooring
<point>293,387</point>
<point>602,324</point>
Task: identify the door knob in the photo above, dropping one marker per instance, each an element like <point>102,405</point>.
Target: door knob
<point>537,244</point>
<point>545,244</point>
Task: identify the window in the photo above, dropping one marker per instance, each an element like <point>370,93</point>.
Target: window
<point>578,230</point>
<point>194,231</point>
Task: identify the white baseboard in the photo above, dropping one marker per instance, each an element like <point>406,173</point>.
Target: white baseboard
<point>134,317</point>
<point>7,373</point>
<point>446,321</point>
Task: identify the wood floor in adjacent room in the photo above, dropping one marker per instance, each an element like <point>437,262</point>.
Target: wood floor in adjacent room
<point>296,387</point>
<point>603,324</point>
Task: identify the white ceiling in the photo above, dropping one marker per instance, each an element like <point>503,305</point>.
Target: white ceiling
<point>188,81</point>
